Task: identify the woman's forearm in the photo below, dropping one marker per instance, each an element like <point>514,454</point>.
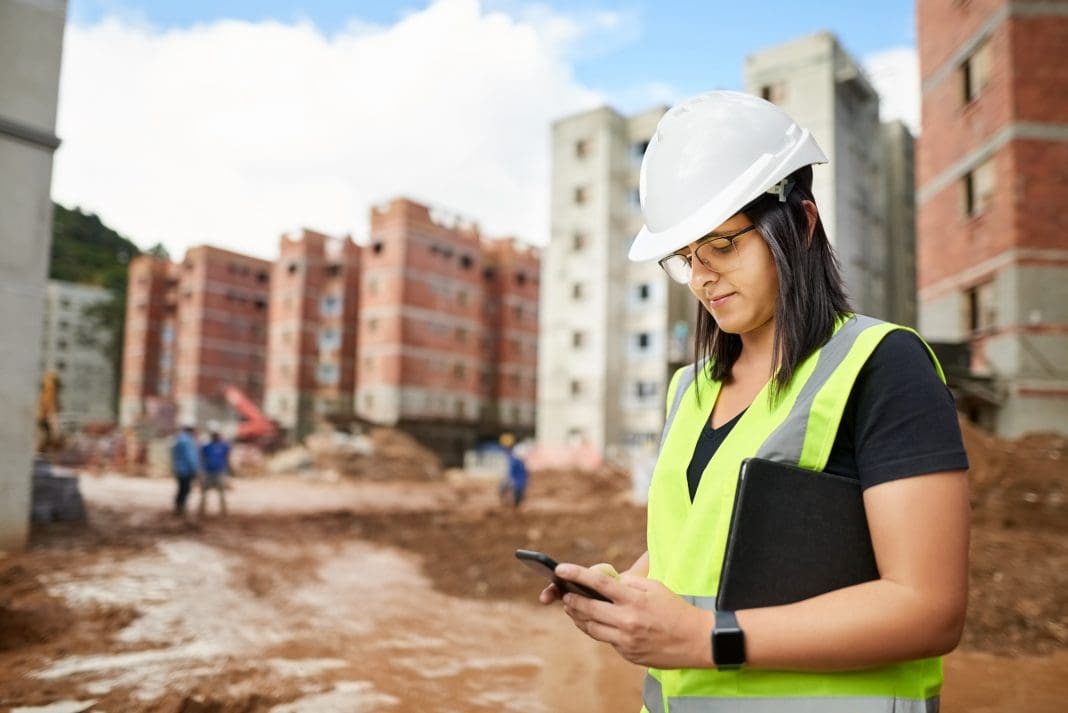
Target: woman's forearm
<point>919,529</point>
<point>870,624</point>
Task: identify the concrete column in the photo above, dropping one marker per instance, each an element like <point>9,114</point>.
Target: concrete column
<point>31,39</point>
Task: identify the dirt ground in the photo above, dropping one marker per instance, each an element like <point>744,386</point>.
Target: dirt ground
<point>361,595</point>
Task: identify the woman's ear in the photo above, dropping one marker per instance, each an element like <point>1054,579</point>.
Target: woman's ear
<point>813,215</point>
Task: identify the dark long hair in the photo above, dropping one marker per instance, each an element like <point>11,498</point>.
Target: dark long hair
<point>811,295</point>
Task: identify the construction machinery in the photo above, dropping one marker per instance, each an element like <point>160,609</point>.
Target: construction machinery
<point>254,426</point>
<point>49,437</point>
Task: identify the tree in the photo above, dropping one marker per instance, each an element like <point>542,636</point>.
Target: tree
<point>160,251</point>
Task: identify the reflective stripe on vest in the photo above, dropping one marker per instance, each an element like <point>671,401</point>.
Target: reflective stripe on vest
<point>653,697</point>
<point>686,552</point>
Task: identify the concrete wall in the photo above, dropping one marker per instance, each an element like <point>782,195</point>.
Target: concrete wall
<point>31,36</point>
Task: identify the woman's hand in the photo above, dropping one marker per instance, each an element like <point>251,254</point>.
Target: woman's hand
<point>646,622</point>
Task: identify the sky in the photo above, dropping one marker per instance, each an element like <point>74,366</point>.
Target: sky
<point>188,122</point>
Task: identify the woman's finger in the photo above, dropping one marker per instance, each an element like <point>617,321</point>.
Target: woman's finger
<point>549,595</point>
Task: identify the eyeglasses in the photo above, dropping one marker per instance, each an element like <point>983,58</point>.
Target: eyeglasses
<point>717,253</point>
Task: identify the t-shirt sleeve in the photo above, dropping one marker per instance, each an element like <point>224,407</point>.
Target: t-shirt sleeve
<point>905,418</point>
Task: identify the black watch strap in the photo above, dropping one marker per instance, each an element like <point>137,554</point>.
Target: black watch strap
<point>728,642</point>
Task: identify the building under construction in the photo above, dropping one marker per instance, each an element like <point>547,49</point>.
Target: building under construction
<point>448,325</point>
<point>193,329</point>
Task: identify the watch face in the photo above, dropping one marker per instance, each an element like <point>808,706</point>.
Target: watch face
<point>728,648</point>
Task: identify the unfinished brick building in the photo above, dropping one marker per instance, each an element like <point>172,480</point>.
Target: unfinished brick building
<point>992,248</point>
<point>447,329</point>
<point>311,354</point>
<point>193,328</point>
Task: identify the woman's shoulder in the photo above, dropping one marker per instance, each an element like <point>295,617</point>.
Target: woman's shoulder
<point>902,351</point>
<point>901,419</point>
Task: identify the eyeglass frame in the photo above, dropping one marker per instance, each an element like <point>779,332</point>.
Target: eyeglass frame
<point>707,240</point>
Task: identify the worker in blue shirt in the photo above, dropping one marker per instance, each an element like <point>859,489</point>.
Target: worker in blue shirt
<point>216,458</point>
<point>516,480</point>
<point>185,463</point>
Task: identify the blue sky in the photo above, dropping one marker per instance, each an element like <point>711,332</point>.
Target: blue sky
<point>230,123</point>
<point>692,46</point>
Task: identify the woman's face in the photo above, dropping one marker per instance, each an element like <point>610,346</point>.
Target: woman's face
<point>741,299</point>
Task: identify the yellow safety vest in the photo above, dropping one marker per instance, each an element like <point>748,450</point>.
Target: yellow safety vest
<point>687,540</point>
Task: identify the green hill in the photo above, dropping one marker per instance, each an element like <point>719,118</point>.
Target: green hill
<point>86,251</point>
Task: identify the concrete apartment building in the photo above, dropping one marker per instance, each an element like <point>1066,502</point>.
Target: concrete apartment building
<point>897,174</point>
<point>31,42</point>
<point>824,89</point>
<point>430,361</point>
<point>87,383</point>
<point>193,328</point>
<point>312,318</point>
<point>992,186</point>
<point>612,331</point>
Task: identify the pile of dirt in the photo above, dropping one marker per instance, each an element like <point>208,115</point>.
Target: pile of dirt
<point>607,482</point>
<point>1018,596</point>
<point>398,455</point>
<point>382,454</point>
<point>1018,484</point>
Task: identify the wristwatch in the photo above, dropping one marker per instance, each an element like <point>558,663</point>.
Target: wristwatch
<point>728,642</point>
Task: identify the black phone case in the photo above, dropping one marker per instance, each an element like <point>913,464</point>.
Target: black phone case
<point>545,565</point>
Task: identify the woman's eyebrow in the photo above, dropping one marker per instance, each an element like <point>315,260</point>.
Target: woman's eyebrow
<point>724,234</point>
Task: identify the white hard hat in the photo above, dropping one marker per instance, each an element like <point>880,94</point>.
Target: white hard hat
<point>711,155</point>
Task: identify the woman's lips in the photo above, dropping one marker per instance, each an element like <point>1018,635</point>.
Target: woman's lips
<point>714,302</point>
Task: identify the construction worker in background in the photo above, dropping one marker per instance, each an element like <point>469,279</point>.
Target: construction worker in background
<point>185,464</point>
<point>514,484</point>
<point>216,459</point>
<point>784,370</point>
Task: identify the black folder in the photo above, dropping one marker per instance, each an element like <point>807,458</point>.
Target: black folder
<point>794,534</point>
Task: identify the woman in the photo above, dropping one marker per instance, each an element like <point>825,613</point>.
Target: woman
<point>727,201</point>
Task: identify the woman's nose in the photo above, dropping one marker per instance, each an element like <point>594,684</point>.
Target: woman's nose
<point>699,274</point>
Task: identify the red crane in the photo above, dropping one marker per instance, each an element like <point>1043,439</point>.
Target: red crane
<point>254,426</point>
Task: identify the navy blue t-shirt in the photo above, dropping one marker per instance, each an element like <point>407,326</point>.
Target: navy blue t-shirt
<point>899,421</point>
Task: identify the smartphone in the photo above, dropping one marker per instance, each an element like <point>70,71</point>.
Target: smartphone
<point>545,565</point>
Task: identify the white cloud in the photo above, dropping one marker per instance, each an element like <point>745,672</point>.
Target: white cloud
<point>895,73</point>
<point>233,132</point>
<point>581,34</point>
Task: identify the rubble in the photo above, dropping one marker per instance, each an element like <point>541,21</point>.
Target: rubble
<point>383,454</point>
